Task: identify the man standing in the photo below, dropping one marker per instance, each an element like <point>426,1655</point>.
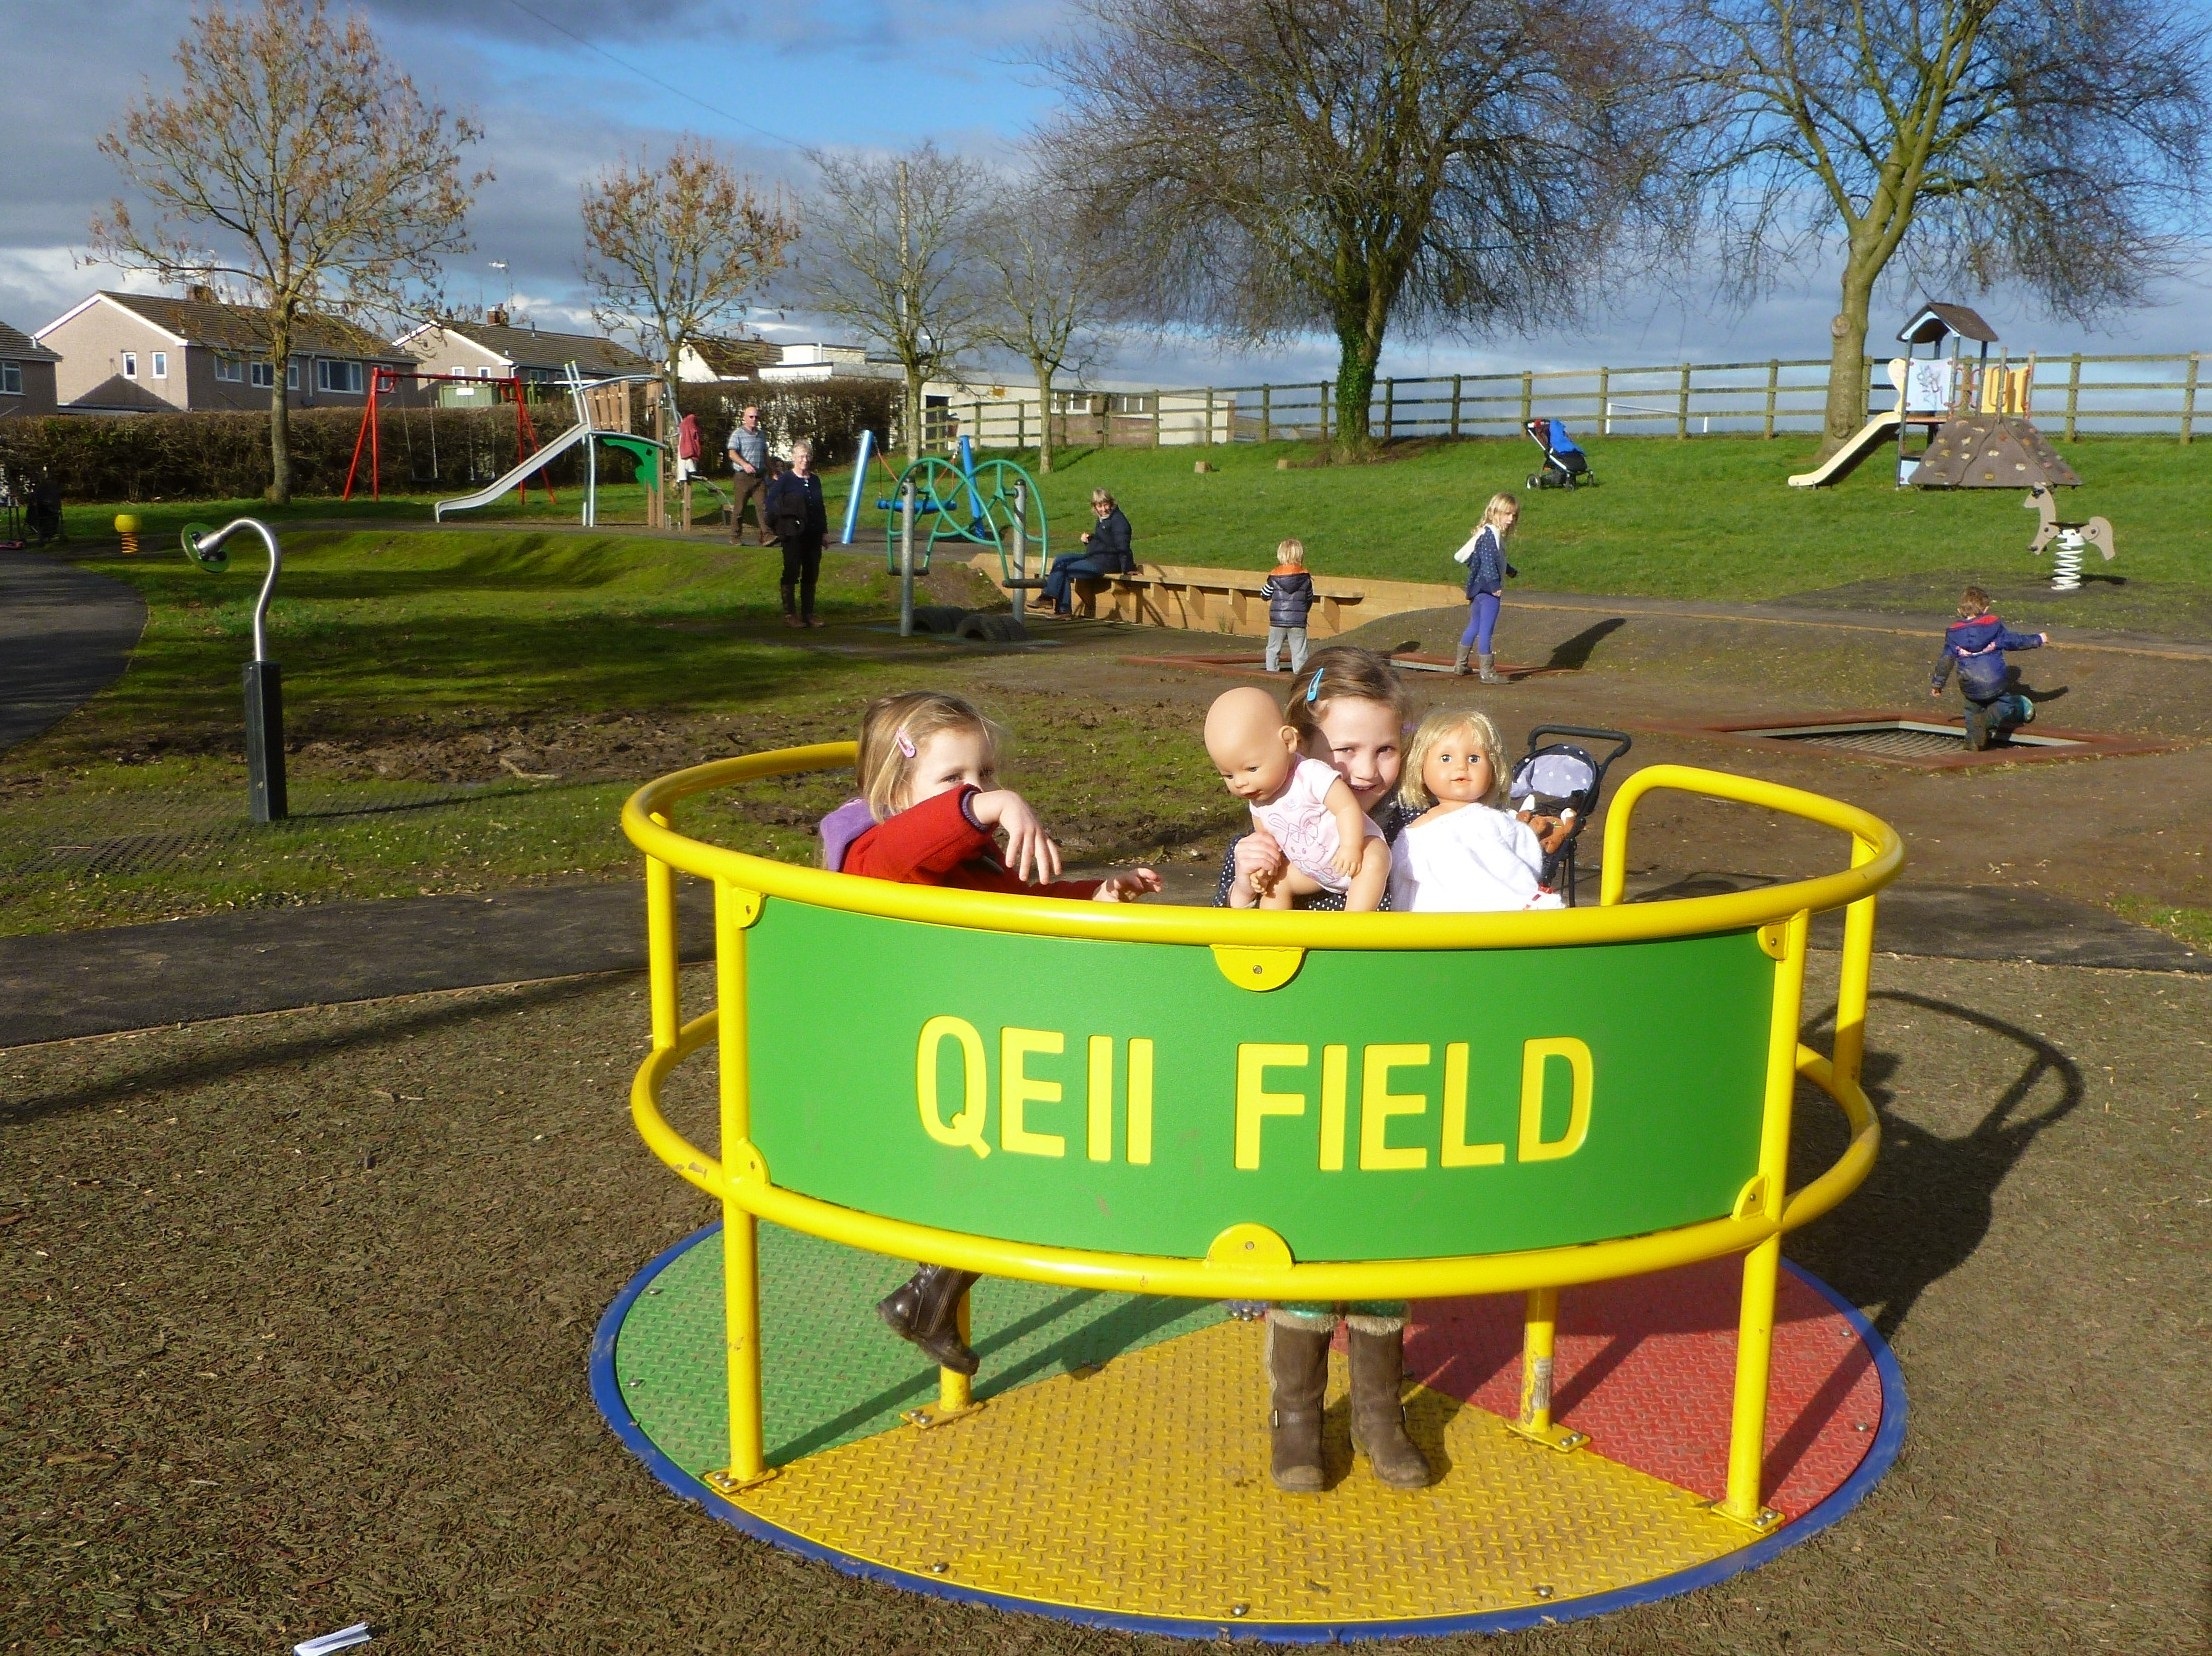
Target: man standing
<point>749,476</point>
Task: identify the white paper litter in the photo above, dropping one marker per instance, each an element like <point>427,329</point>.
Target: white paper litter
<point>344,1639</point>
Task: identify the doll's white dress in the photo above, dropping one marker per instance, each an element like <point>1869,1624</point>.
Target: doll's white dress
<point>1472,860</point>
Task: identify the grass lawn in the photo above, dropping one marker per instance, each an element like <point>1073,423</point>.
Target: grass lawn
<point>412,664</point>
<point>1708,518</point>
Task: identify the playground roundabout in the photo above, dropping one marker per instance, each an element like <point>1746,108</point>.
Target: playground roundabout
<point>1564,1136</point>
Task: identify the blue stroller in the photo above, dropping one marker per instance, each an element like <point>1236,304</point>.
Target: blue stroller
<point>1565,465</point>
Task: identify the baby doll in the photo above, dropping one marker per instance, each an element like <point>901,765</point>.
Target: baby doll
<point>1463,854</point>
<point>1312,812</point>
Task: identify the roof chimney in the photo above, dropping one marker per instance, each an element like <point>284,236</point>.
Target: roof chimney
<point>199,293</point>
<point>496,316</point>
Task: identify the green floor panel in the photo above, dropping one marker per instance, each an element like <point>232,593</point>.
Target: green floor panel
<point>833,1372</point>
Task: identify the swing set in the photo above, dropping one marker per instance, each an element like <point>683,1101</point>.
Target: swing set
<point>422,468</point>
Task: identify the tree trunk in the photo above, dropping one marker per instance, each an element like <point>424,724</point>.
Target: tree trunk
<point>280,414</point>
<point>1846,407</point>
<point>913,416</point>
<point>1043,370</point>
<point>1359,348</point>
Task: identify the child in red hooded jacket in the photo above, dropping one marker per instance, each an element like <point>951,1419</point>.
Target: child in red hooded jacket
<point>929,813</point>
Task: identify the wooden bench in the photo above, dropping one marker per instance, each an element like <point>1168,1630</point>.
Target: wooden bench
<point>1224,603</point>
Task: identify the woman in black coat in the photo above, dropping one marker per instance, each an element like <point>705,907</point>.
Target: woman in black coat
<point>801,523</point>
<point>1106,551</point>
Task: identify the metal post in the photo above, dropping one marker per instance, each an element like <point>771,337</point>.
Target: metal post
<point>906,558</point>
<point>1682,407</point>
<point>1021,550</point>
<point>734,910</point>
<point>1539,1337</point>
<point>1774,384</point>
<point>264,682</point>
<point>2073,393</point>
<point>1762,1265</point>
<point>2188,402</point>
<point>1458,380</point>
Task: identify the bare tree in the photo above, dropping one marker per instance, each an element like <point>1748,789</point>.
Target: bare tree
<point>676,246</point>
<point>328,182</point>
<point>1046,301</point>
<point>892,261</point>
<point>1262,167</point>
<point>2044,141</point>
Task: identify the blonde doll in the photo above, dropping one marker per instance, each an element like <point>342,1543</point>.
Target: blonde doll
<point>1463,854</point>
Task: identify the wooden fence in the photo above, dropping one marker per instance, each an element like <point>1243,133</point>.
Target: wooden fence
<point>2071,395</point>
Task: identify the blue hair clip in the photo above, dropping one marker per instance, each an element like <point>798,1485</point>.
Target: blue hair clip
<point>1313,690</point>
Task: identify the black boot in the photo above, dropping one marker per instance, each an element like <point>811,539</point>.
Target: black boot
<point>926,1310</point>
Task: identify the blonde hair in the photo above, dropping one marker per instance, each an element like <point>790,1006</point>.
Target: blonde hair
<point>1102,497</point>
<point>1500,503</point>
<point>1439,726</point>
<point>892,732</point>
<point>1291,550</point>
<point>1342,671</point>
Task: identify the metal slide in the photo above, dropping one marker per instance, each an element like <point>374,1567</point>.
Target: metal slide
<point>1862,444</point>
<point>492,491</point>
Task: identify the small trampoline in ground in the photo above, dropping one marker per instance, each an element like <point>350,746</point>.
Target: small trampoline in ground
<point>1564,1135</point>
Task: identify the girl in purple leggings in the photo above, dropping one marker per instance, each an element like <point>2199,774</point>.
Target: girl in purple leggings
<point>1484,556</point>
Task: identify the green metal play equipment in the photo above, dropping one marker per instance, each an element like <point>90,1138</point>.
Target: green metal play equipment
<point>995,503</point>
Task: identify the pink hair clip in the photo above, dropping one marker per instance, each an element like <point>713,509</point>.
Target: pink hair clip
<point>906,744</point>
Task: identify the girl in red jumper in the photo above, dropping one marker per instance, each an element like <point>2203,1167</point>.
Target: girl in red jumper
<point>932,807</point>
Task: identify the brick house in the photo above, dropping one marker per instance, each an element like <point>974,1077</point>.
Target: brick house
<point>130,353</point>
<point>26,375</point>
<point>494,349</point>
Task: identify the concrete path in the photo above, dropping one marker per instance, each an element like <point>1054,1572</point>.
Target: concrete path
<point>137,977</point>
<point>66,634</point>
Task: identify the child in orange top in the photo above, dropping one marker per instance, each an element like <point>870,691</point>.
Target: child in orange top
<point>929,783</point>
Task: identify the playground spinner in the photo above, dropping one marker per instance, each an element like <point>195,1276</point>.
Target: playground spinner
<point>1267,1107</point>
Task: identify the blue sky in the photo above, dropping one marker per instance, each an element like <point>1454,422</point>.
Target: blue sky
<point>562,86</point>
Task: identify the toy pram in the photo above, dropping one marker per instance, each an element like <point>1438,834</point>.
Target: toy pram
<point>1564,780</point>
<point>1565,465</point>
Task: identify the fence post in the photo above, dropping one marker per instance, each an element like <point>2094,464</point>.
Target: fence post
<point>1456,380</point>
<point>1528,396</point>
<point>1682,407</point>
<point>1021,422</point>
<point>1321,392</point>
<point>1390,408</point>
<point>1209,416</point>
<point>2073,393</point>
<point>1267,413</point>
<point>1774,383</point>
<point>1155,418</point>
<point>2189,402</point>
<point>1605,401</point>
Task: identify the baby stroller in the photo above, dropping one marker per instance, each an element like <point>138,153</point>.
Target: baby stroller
<point>1555,778</point>
<point>1565,465</point>
<point>43,514</point>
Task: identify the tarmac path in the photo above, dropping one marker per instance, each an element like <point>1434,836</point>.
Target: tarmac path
<point>66,634</point>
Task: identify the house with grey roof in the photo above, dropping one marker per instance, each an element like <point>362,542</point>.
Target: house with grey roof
<point>497,348</point>
<point>26,375</point>
<point>708,360</point>
<point>142,353</point>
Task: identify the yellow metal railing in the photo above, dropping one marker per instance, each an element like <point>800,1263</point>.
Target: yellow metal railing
<point>1766,1209</point>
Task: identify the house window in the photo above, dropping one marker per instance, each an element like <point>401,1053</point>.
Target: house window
<point>11,379</point>
<point>229,369</point>
<point>483,373</point>
<point>161,365</point>
<point>337,376</point>
<point>291,373</point>
<point>259,376</point>
<point>130,365</point>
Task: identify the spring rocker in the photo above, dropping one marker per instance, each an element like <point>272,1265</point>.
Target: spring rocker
<point>1565,1136</point>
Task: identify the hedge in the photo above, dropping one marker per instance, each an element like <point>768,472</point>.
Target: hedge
<point>210,455</point>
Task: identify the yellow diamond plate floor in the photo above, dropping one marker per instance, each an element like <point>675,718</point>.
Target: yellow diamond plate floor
<point>1052,1493</point>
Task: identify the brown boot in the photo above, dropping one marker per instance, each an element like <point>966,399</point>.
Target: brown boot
<point>1297,1375</point>
<point>1459,663</point>
<point>1379,1414</point>
<point>1489,670</point>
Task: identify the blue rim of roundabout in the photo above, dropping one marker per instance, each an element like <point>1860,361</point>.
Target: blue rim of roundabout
<point>1881,1455</point>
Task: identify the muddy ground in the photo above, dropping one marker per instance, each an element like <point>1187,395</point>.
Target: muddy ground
<point>298,1307</point>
